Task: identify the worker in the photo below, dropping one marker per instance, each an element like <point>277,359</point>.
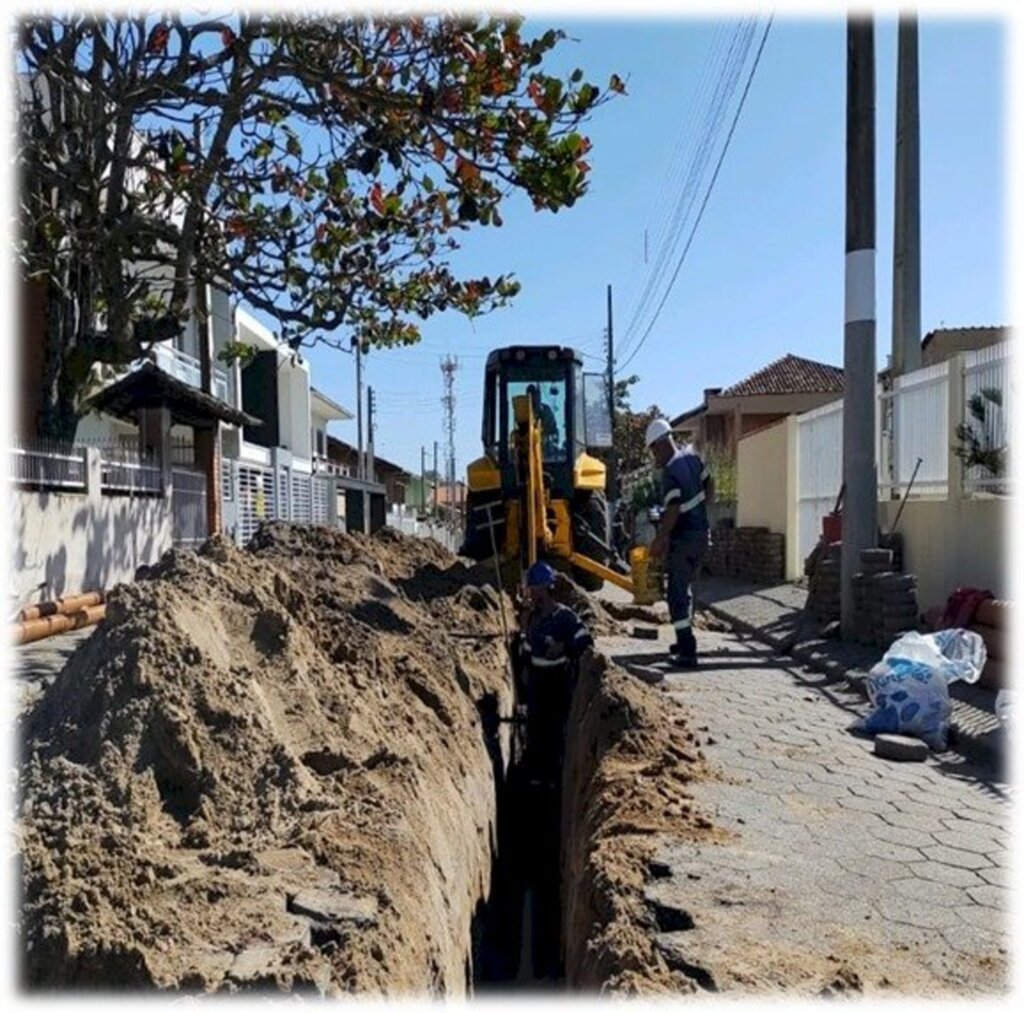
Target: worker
<point>553,639</point>
<point>553,642</point>
<point>682,536</point>
<point>548,423</point>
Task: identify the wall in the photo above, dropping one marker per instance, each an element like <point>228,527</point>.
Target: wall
<point>83,541</point>
<point>953,543</point>
<point>761,480</point>
<point>294,406</point>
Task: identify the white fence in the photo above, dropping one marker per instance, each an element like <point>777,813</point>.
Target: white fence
<point>819,469</point>
<point>265,494</point>
<point>45,464</point>
<point>988,384</point>
<point>915,427</point>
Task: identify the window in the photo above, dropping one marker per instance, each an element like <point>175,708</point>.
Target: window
<point>549,406</point>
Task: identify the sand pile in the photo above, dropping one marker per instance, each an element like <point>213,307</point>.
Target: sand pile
<point>268,769</point>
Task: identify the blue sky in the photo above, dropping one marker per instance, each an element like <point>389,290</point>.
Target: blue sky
<point>765,273</point>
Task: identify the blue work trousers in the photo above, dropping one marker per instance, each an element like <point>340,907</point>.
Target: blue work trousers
<point>684,560</point>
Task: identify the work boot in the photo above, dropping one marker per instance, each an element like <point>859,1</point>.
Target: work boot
<point>683,652</point>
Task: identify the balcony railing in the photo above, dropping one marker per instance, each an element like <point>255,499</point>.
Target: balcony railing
<point>187,369</point>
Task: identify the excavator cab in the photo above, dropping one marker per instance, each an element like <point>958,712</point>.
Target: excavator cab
<point>545,387</point>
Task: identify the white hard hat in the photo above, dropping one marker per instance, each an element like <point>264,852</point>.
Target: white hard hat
<point>656,430</point>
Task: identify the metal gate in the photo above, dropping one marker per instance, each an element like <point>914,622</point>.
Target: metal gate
<point>188,507</point>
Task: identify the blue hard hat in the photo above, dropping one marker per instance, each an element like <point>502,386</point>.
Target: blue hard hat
<point>540,575</point>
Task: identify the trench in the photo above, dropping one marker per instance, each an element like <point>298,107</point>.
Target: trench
<point>516,935</point>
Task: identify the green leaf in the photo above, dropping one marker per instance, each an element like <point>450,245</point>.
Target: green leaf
<point>293,147</point>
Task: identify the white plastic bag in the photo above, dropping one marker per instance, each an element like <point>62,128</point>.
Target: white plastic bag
<point>909,687</point>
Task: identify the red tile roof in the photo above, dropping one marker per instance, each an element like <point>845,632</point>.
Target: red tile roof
<point>789,375</point>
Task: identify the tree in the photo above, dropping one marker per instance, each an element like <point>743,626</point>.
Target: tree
<point>629,428</point>
<point>980,447</point>
<point>319,169</point>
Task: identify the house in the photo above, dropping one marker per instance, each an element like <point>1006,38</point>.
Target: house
<point>323,411</point>
<point>393,477</point>
<point>788,386</point>
<point>944,342</point>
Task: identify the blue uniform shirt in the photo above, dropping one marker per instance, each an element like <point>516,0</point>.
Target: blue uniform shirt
<point>554,639</point>
<point>682,482</point>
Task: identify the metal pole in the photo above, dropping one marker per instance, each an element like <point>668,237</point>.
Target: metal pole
<point>435,478</point>
<point>860,516</point>
<point>423,480</point>
<point>906,261</point>
<point>359,407</point>
<point>612,470</point>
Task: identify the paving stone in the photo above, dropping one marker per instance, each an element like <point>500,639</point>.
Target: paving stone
<point>906,911</point>
<point>939,872</point>
<point>866,805</point>
<point>990,896</point>
<point>928,891</point>
<point>900,835</point>
<point>894,853</point>
<point>972,940</point>
<point>955,857</point>
<point>965,841</point>
<point>996,875</point>
<point>987,918</point>
<point>901,748</point>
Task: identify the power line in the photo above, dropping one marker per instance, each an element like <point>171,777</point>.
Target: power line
<point>707,141</point>
<point>707,195</point>
<point>704,137</point>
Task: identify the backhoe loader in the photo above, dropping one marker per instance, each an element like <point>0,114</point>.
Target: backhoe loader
<point>537,490</point>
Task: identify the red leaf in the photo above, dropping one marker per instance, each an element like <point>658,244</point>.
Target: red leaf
<point>321,232</point>
<point>535,92</point>
<point>157,41</point>
<point>377,198</point>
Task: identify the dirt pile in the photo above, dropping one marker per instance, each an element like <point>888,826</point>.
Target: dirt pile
<point>269,769</point>
<point>630,763</point>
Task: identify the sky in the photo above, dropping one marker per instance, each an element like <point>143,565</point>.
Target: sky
<point>764,275</point>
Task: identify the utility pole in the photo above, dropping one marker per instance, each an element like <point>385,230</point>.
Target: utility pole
<point>358,349</point>
<point>448,367</point>
<point>906,260</point>
<point>371,464</point>
<point>860,515</point>
<point>423,480</point>
<point>435,478</point>
<point>613,477</point>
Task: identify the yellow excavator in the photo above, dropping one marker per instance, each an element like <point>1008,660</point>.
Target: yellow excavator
<point>537,493</point>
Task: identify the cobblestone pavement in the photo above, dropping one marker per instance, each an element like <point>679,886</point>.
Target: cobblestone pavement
<point>773,614</point>
<point>841,872</point>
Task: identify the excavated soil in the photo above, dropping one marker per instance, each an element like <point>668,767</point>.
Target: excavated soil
<point>269,769</point>
<point>631,765</point>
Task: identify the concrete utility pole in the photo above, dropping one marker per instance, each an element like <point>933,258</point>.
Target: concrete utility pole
<point>860,514</point>
<point>612,470</point>
<point>906,260</point>
<point>448,367</point>
<point>207,441</point>
<point>358,349</point>
<point>435,478</point>
<point>423,480</point>
<point>371,464</point>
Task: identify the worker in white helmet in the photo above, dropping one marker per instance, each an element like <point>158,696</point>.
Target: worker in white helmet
<point>682,537</point>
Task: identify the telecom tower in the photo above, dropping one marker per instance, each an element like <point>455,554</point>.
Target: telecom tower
<point>449,364</point>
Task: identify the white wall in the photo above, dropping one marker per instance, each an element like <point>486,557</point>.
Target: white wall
<point>953,543</point>
<point>293,406</point>
<point>76,542</point>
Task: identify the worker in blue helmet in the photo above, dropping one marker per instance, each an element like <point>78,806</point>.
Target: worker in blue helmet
<point>552,642</point>
<point>553,635</point>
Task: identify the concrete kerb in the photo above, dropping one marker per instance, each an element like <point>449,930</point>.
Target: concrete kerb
<point>987,750</point>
